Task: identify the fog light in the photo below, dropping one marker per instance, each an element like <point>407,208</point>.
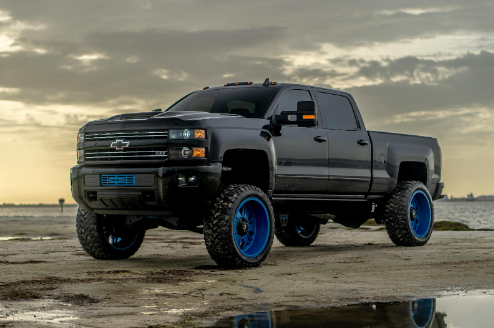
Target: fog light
<point>92,196</point>
<point>192,180</point>
<point>187,180</point>
<point>186,152</point>
<point>149,196</point>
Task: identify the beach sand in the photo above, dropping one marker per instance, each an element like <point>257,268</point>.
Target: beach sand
<point>172,281</point>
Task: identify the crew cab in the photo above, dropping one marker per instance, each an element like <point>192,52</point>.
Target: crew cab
<point>244,162</point>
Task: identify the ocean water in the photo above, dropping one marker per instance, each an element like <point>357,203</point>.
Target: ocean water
<point>477,215</point>
<point>41,210</point>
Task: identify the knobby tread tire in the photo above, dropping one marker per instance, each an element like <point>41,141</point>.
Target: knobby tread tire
<point>92,240</point>
<point>397,211</point>
<point>289,236</point>
<point>218,235</point>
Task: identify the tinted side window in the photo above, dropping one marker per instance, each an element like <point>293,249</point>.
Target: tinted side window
<point>291,98</point>
<point>338,111</point>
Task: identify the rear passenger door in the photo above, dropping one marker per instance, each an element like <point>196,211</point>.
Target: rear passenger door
<point>349,148</point>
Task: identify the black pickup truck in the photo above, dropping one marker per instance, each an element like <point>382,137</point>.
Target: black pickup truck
<point>244,162</point>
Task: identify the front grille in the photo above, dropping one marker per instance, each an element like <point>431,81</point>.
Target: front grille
<point>132,135</point>
<point>118,180</point>
<point>129,154</point>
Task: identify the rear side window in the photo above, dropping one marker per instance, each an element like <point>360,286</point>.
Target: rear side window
<point>338,111</point>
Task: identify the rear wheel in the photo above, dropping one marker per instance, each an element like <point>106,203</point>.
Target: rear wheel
<point>106,237</point>
<point>238,231</point>
<point>409,214</point>
<point>301,230</point>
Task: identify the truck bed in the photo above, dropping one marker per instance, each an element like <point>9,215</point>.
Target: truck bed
<point>389,150</point>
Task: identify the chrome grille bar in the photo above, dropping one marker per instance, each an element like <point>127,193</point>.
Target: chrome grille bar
<point>126,135</point>
<point>133,154</point>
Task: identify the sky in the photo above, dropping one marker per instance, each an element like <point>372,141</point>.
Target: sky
<point>419,67</point>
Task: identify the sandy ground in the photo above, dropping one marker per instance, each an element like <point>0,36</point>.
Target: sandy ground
<point>172,281</point>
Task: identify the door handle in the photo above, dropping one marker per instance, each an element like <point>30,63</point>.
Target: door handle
<point>363,142</point>
<point>320,139</point>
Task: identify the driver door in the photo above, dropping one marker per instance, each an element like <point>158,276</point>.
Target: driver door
<point>302,152</point>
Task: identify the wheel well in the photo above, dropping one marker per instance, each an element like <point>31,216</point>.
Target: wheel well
<point>248,166</point>
<point>415,171</point>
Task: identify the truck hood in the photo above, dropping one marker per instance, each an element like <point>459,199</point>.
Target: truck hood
<point>176,117</point>
<point>150,120</point>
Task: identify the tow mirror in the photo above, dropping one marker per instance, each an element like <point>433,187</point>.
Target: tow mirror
<point>306,115</point>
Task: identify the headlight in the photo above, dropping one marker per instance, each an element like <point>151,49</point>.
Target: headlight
<point>188,134</point>
<point>80,137</point>
<point>187,152</point>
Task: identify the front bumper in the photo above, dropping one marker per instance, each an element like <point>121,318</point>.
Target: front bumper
<point>157,191</point>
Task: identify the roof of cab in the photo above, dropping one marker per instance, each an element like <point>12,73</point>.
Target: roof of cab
<point>277,86</point>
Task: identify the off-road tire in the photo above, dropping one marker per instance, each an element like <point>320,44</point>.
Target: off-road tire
<point>218,227</point>
<point>289,235</point>
<point>397,211</point>
<point>91,237</point>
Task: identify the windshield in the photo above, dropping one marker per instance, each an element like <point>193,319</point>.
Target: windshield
<point>247,102</point>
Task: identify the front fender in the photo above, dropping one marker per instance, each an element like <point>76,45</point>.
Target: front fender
<point>225,139</point>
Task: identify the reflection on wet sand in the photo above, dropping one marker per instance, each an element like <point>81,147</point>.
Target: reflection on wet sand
<point>413,314</point>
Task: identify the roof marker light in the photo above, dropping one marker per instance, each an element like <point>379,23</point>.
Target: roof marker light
<point>205,88</point>
<point>237,83</point>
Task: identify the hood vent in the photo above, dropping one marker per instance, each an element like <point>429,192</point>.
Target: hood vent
<point>137,116</point>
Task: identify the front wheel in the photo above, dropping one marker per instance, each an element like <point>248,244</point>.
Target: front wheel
<point>301,230</point>
<point>238,231</point>
<point>409,214</point>
<point>106,237</point>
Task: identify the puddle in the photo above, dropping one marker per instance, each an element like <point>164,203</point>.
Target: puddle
<point>24,238</point>
<point>447,312</point>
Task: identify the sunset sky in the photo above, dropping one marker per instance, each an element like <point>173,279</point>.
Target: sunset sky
<point>418,67</point>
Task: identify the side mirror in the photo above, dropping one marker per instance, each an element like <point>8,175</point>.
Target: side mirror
<point>306,115</point>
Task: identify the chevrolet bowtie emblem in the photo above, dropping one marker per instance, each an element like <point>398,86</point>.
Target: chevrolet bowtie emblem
<point>119,144</point>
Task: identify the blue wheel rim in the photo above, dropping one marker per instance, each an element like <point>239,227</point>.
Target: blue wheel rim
<point>306,230</point>
<point>115,241</point>
<point>251,227</point>
<point>422,312</point>
<point>420,214</point>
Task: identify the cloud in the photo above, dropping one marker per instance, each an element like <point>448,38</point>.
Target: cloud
<point>422,67</point>
<point>411,84</point>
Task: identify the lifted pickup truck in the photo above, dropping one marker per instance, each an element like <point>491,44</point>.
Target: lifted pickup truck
<point>244,162</point>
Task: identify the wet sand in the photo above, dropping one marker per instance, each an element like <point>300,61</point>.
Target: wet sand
<point>171,281</point>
